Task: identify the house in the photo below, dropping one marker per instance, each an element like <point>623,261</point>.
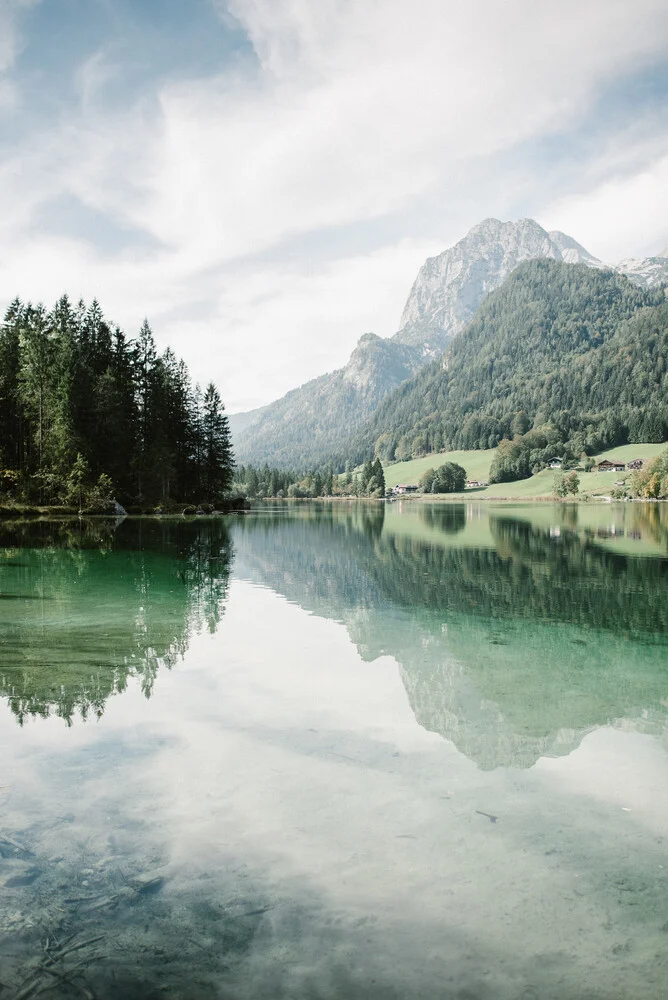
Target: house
<point>635,464</point>
<point>555,463</point>
<point>607,466</point>
<point>403,488</point>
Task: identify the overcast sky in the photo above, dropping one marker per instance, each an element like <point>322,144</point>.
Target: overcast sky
<point>263,178</point>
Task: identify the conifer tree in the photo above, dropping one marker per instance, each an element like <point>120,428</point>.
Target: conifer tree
<point>379,475</point>
<point>218,462</point>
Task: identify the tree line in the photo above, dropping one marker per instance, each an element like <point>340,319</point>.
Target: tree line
<point>263,482</point>
<point>87,414</point>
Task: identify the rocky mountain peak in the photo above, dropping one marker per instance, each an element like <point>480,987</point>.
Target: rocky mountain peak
<point>377,361</point>
<point>573,252</point>
<point>450,287</point>
<point>648,272</point>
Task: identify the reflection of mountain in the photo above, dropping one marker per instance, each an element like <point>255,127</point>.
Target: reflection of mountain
<point>511,652</point>
<point>86,606</point>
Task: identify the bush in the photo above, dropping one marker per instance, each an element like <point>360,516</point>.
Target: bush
<point>448,478</point>
<point>651,483</point>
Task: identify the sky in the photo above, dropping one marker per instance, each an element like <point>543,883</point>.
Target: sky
<point>262,179</point>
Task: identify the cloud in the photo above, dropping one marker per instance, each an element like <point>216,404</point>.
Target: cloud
<point>359,108</point>
<point>348,116</point>
<point>622,212</point>
<point>11,12</point>
<point>305,323</point>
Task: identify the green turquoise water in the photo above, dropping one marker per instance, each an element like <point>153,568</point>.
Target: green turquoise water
<point>336,751</point>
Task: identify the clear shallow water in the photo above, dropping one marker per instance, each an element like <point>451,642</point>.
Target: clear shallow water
<point>336,752</point>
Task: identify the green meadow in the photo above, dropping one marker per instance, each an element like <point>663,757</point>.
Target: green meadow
<point>477,465</point>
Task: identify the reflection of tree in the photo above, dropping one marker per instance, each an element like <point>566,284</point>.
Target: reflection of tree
<point>448,518</point>
<point>650,520</point>
<point>511,651</point>
<point>85,606</point>
<point>339,553</point>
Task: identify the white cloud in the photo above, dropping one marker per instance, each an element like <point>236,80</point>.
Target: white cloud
<point>621,216</point>
<point>306,323</point>
<point>364,106</point>
<point>353,111</point>
<point>10,46</point>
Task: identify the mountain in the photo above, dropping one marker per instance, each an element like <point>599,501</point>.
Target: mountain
<point>581,349</point>
<point>306,426</point>
<point>449,288</point>
<point>309,424</point>
<point>238,422</point>
<point>648,272</point>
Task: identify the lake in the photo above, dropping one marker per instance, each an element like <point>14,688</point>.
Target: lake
<point>336,751</point>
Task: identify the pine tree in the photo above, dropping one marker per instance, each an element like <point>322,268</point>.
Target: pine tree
<point>217,459</point>
<point>12,425</point>
<point>379,476</point>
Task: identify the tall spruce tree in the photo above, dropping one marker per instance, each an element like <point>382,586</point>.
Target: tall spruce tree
<point>217,458</point>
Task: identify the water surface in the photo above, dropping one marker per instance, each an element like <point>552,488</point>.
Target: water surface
<point>336,751</point>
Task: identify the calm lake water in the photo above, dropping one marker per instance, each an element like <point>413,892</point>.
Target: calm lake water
<point>336,752</point>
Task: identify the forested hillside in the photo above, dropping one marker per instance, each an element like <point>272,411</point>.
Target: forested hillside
<point>86,414</point>
<point>582,353</point>
<point>310,424</point>
<point>303,428</point>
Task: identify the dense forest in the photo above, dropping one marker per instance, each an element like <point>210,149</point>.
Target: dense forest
<point>577,356</point>
<point>87,415</point>
<point>264,482</point>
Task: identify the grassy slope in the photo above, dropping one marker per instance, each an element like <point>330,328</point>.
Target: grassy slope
<point>477,465</point>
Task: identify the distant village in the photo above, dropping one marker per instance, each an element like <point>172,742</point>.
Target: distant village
<point>553,463</point>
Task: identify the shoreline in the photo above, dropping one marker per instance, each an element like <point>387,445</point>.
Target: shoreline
<point>69,514</point>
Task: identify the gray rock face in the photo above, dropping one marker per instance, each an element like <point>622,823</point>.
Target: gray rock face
<point>449,288</point>
<point>648,272</point>
<point>306,426</point>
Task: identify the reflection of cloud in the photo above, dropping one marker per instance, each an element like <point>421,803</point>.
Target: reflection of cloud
<point>619,768</point>
<point>354,876</point>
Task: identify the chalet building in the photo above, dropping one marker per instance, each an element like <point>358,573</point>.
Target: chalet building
<point>635,464</point>
<point>607,466</point>
<point>403,488</point>
<point>555,463</point>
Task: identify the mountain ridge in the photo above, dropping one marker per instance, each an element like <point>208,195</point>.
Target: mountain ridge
<point>577,349</point>
<point>311,422</point>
